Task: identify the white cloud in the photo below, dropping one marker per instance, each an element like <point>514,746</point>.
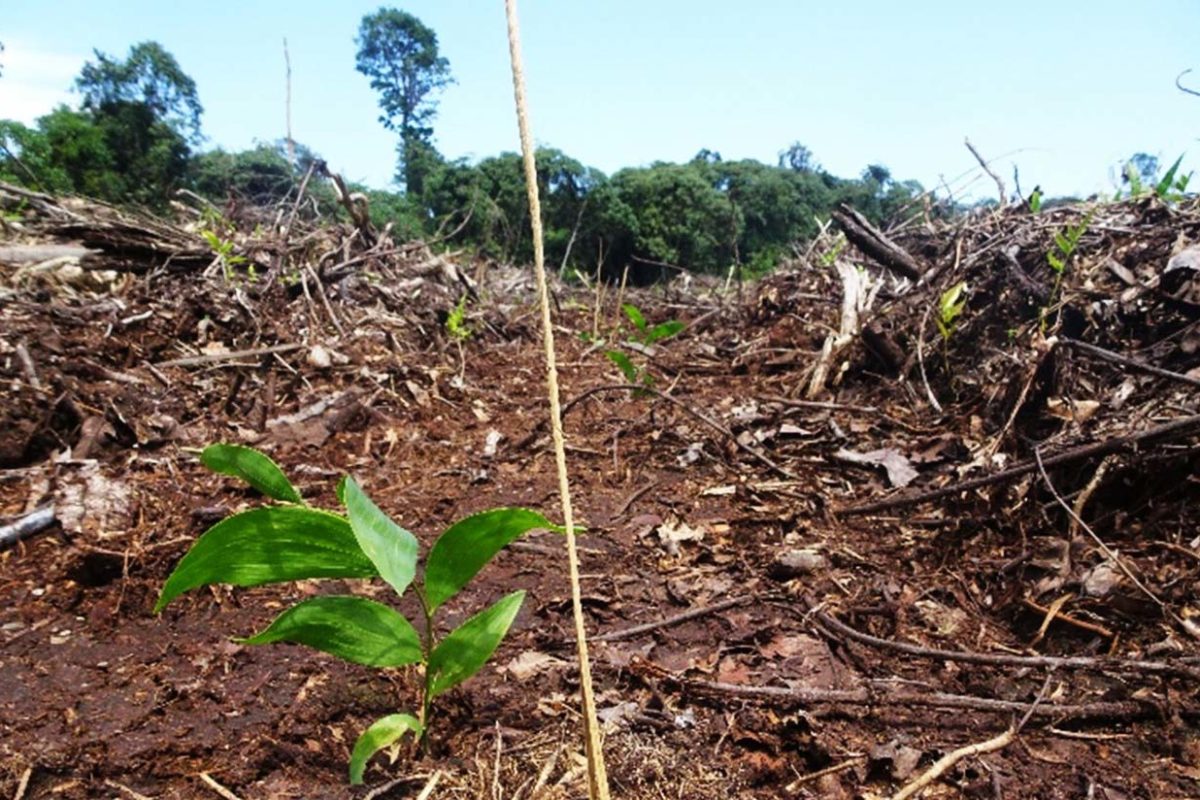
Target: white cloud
<point>35,80</point>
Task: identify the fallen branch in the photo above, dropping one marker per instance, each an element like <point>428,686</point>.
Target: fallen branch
<point>28,525</point>
<point>1099,663</point>
<point>1104,548</point>
<point>875,244</point>
<point>1132,363</point>
<point>684,616</point>
<point>212,358</point>
<point>1168,430</point>
<point>883,693</point>
<point>953,757</point>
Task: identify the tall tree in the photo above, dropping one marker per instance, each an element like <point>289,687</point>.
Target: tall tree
<point>400,56</point>
<point>149,76</point>
<point>798,158</point>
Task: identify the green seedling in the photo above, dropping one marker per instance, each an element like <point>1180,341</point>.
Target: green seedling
<point>456,322</point>
<point>1173,186</point>
<point>646,336</point>
<point>1035,201</point>
<point>289,541</point>
<point>828,258</point>
<point>223,251</point>
<point>950,307</point>
<point>1066,243</point>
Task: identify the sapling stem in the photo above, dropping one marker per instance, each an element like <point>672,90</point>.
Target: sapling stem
<point>426,655</point>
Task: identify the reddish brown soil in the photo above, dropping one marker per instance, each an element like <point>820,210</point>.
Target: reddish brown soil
<point>100,698</point>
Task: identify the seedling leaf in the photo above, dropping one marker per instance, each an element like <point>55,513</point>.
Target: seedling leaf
<point>469,544</point>
<point>391,549</point>
<point>1168,180</point>
<point>269,545</point>
<point>383,732</point>
<point>352,628</point>
<point>253,467</point>
<point>469,646</point>
<point>662,331</point>
<point>624,364</point>
<point>635,316</point>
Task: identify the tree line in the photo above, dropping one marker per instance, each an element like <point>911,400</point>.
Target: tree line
<point>136,139</point>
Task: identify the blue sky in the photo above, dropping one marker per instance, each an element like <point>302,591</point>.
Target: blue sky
<point>1065,90</point>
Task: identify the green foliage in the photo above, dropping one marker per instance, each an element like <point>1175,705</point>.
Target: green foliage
<point>950,307</point>
<point>400,56</point>
<point>383,733</point>
<point>149,77</point>
<point>1035,201</point>
<point>293,542</point>
<point>1141,175</point>
<point>253,467</point>
<point>352,628</point>
<point>468,647</point>
<point>630,370</point>
<point>129,142</point>
<point>830,256</point>
<point>1173,186</point>
<point>456,321</point>
<point>1066,242</point>
<point>223,251</point>
<point>645,335</point>
<point>260,176</point>
<point>270,545</point>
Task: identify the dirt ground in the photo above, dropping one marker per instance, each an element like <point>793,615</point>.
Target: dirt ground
<point>101,698</point>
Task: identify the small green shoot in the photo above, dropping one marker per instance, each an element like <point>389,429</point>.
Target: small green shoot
<point>1035,201</point>
<point>291,541</point>
<point>456,321</point>
<point>1173,186</point>
<point>646,336</point>
<point>223,251</point>
<point>950,307</point>
<point>840,243</point>
<point>1066,243</point>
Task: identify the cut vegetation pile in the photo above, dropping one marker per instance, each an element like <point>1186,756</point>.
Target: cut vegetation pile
<point>920,488</point>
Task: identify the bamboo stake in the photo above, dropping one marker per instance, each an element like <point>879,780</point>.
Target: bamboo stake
<point>597,776</point>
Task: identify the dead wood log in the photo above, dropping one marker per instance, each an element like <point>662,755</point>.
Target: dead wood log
<point>876,244</point>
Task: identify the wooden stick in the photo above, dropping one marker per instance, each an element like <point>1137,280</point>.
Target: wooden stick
<point>1132,363</point>
<point>28,525</point>
<point>1168,430</point>
<point>1099,663</point>
<point>950,759</point>
<point>684,616</point>
<point>988,170</point>
<point>821,773</point>
<point>218,788</point>
<point>212,358</point>
<point>883,693</point>
<point>596,771</point>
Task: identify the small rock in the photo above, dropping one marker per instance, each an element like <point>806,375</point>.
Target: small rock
<point>797,563</point>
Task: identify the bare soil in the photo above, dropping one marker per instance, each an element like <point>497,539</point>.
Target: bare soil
<point>101,698</point>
